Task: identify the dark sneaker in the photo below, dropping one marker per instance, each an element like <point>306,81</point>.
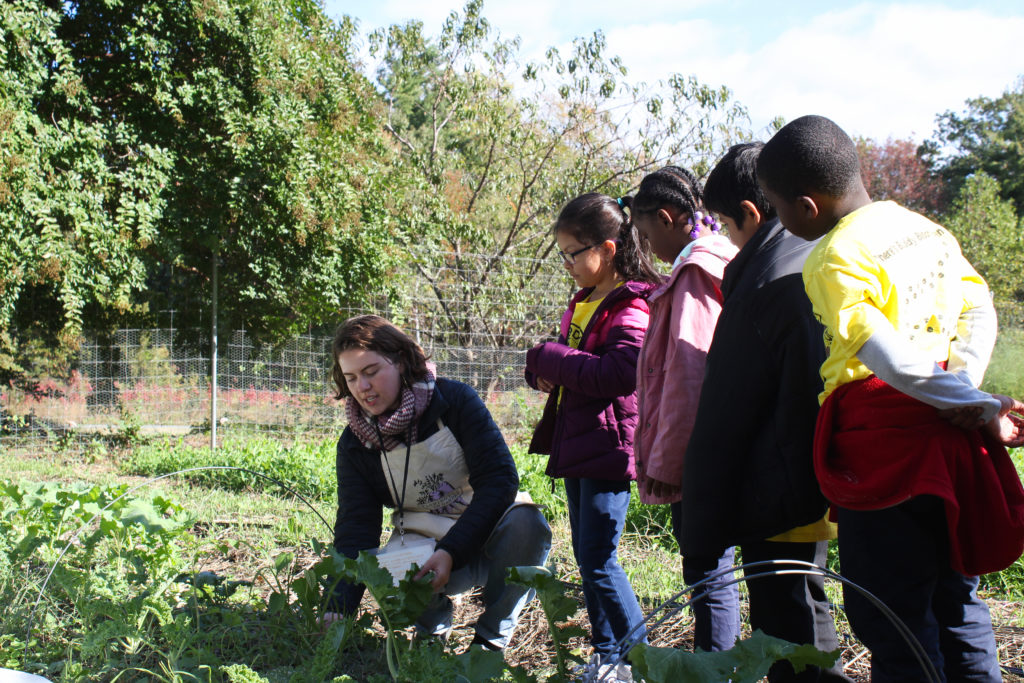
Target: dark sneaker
<point>483,642</point>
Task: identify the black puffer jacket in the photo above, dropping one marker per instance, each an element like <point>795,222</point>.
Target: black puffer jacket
<point>363,490</point>
<point>748,473</point>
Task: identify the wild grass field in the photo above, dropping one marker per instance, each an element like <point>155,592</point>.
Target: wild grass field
<point>205,575</point>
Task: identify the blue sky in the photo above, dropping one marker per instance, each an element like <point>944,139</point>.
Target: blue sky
<point>879,69</point>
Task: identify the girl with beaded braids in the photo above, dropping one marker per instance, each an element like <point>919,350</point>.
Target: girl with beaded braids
<point>590,416</point>
<point>669,211</point>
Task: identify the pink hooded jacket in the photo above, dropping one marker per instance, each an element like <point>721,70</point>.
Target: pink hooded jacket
<point>670,368</point>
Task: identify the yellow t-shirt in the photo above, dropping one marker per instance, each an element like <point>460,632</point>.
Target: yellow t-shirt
<point>581,316</point>
<point>886,265</point>
<point>822,530</point>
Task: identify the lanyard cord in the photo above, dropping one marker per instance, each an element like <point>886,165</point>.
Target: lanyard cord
<point>405,475</point>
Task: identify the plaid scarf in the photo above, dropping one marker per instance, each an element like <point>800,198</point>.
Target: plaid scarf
<point>394,426</point>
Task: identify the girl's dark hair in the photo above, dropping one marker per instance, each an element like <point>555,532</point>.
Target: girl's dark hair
<point>593,218</point>
<point>670,186</point>
<point>734,181</point>
<point>374,333</point>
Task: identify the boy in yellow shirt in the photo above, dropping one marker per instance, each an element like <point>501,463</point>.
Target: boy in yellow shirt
<point>908,450</point>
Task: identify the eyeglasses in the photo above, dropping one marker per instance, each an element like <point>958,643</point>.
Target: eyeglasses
<point>570,258</point>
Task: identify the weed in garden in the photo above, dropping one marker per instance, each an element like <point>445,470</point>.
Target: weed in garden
<point>117,601</point>
<point>62,441</point>
<point>189,615</point>
<point>92,589</point>
<point>558,608</point>
<point>129,431</point>
<point>95,450</point>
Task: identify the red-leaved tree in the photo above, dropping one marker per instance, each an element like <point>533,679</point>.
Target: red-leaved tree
<point>894,170</point>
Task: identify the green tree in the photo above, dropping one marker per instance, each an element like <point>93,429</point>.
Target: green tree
<point>80,193</point>
<point>990,234</point>
<point>279,167</point>
<point>988,137</point>
<point>146,138</point>
<point>498,146</point>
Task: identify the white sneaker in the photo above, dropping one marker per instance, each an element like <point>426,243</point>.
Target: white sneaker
<point>615,672</point>
<point>611,673</point>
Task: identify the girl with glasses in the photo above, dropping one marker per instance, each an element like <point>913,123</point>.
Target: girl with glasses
<point>590,376</point>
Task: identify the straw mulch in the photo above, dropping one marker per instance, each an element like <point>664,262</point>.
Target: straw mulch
<point>531,645</point>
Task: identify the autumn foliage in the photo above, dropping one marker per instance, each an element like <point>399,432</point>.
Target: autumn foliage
<point>894,170</point>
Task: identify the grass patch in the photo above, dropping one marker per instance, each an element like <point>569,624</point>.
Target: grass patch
<point>306,467</point>
<point>1005,374</point>
<point>99,620</point>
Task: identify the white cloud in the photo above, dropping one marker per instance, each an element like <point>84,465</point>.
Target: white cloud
<point>877,71</point>
<point>538,23</point>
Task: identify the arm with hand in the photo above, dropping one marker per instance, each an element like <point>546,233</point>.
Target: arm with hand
<point>536,382</point>
<point>1007,426</point>
<point>357,525</point>
<point>533,379</point>
<point>896,362</point>
<point>607,375</point>
<point>440,563</point>
<point>969,354</point>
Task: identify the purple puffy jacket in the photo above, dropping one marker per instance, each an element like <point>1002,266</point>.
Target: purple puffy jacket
<point>590,434</point>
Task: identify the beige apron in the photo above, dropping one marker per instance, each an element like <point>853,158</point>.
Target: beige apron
<point>437,489</point>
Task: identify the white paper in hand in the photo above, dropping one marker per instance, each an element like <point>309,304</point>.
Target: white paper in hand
<point>398,558</point>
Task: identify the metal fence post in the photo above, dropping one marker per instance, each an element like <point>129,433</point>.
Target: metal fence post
<point>213,361</point>
<point>473,335</point>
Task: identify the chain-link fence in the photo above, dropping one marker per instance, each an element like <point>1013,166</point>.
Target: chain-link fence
<point>476,316</point>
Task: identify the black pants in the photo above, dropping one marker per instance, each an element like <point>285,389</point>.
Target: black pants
<point>793,607</point>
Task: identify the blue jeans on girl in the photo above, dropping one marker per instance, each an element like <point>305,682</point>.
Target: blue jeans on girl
<point>716,615</point>
<point>597,512</point>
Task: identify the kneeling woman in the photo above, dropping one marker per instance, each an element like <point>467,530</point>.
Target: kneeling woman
<point>429,448</point>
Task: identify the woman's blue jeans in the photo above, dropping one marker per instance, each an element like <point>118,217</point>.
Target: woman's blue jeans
<point>597,513</point>
<point>521,538</point>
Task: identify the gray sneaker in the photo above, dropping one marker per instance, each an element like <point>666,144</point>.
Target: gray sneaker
<point>615,672</point>
<point>596,672</point>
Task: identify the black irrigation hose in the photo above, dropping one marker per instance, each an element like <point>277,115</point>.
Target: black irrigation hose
<point>794,567</point>
<point>87,525</point>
